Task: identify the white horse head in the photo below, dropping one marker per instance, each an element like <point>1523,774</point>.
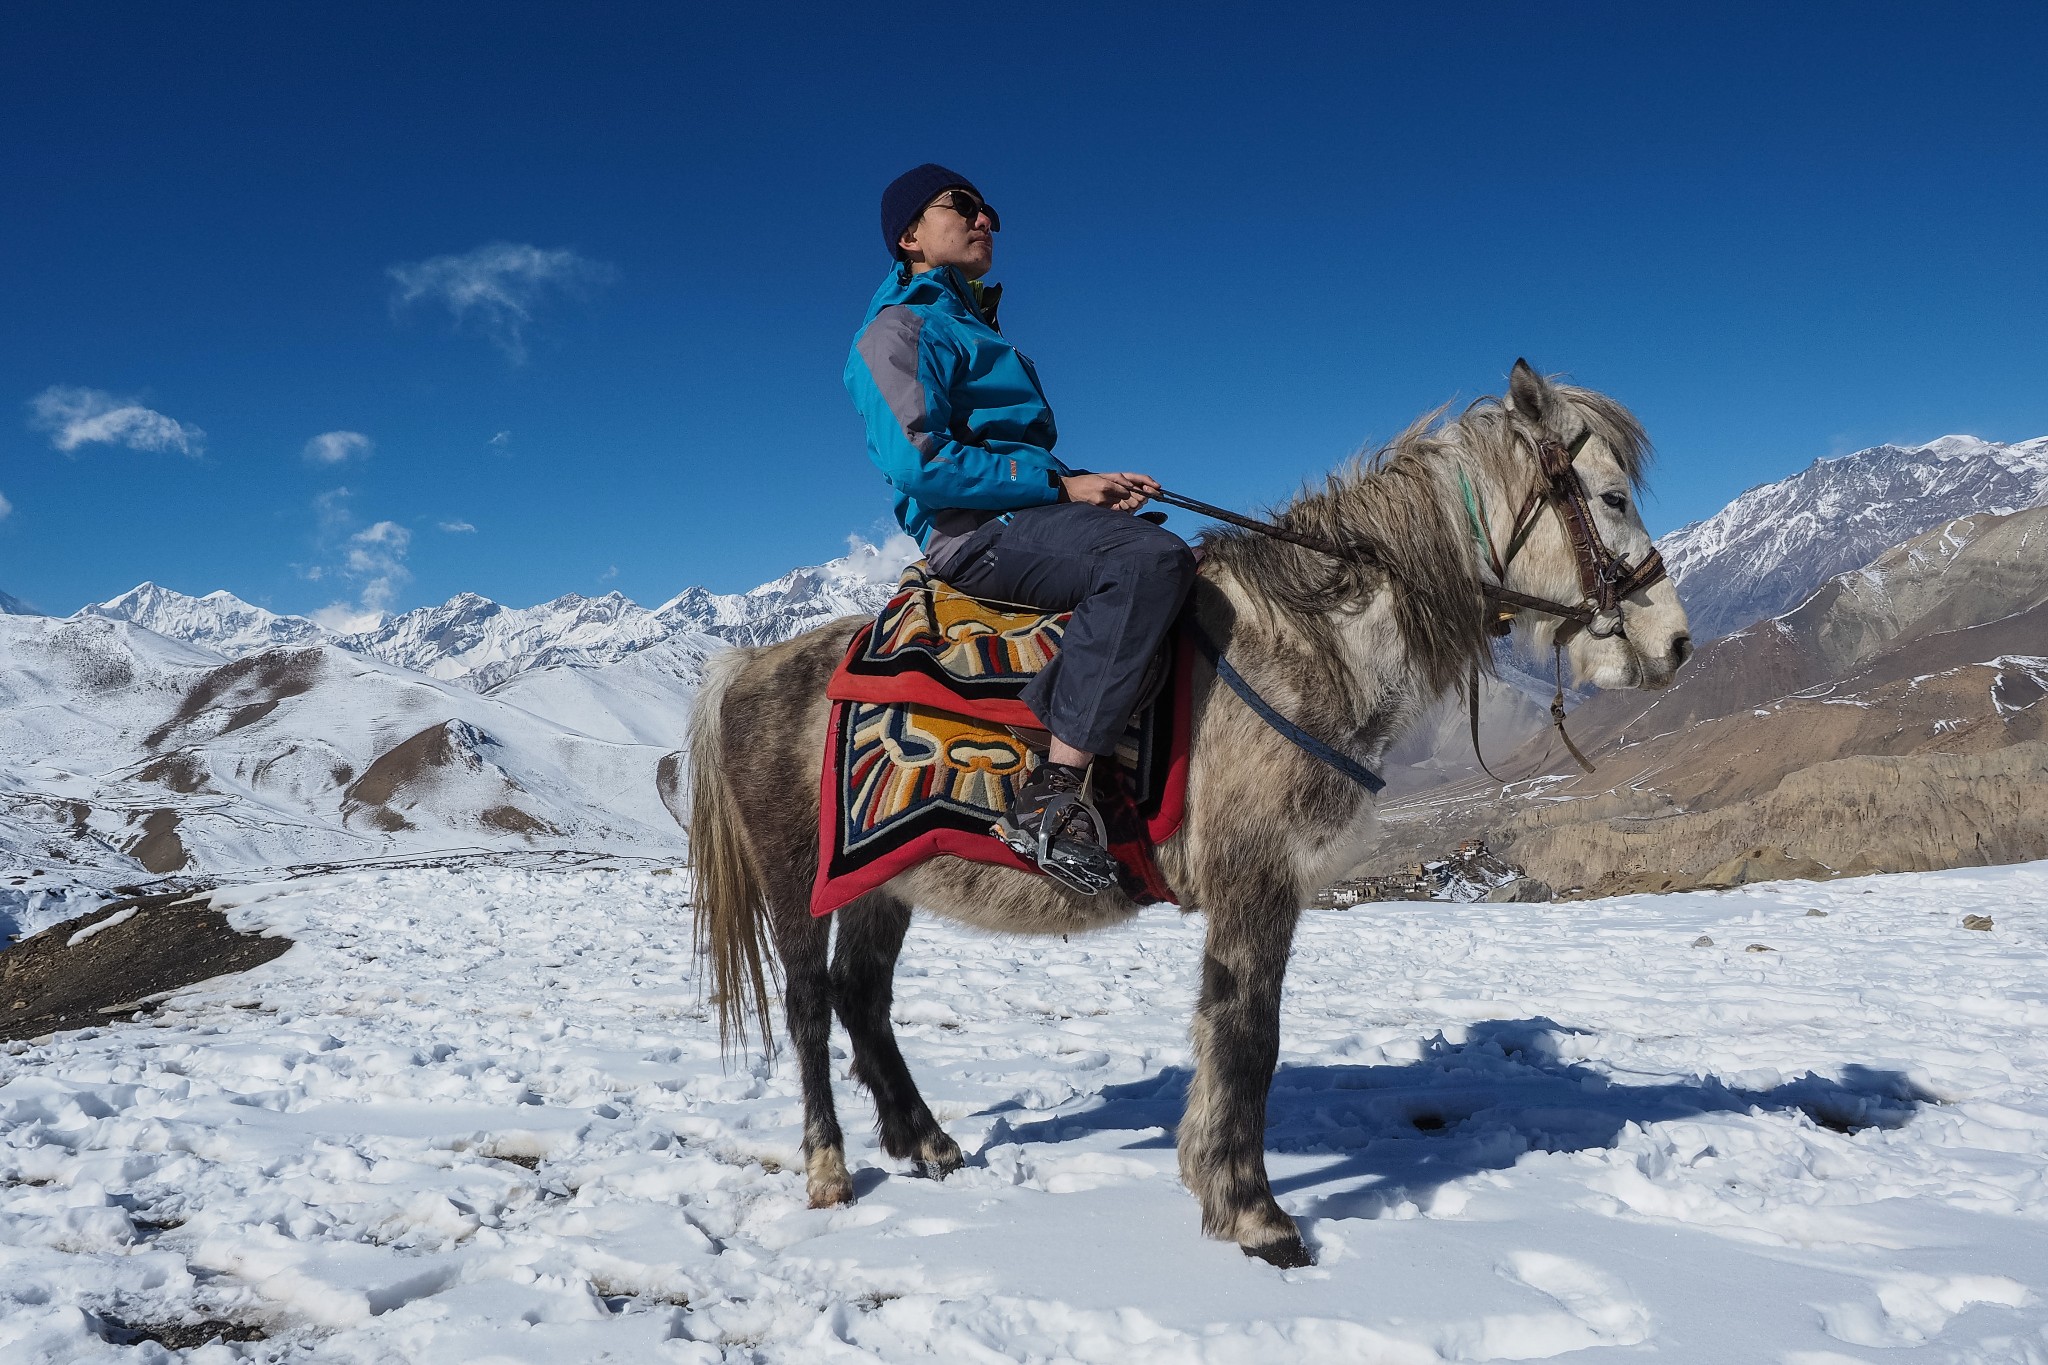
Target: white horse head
<point>1645,639</point>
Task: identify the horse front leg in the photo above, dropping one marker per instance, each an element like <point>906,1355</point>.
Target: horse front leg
<point>1236,1037</point>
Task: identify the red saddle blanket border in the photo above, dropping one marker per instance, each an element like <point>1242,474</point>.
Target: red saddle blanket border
<point>920,690</point>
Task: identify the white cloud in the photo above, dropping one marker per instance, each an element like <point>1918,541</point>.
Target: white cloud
<point>373,558</point>
<point>457,527</point>
<point>495,288</point>
<point>609,574</point>
<point>76,417</point>
<point>343,619</point>
<point>500,442</point>
<point>376,557</point>
<point>337,447</point>
<point>880,563</point>
<point>6,507</point>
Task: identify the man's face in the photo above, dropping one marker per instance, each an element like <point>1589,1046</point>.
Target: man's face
<point>944,235</point>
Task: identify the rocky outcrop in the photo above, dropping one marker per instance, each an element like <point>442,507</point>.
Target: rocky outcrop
<point>1848,816</point>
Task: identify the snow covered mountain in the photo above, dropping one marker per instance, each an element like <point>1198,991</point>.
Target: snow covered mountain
<point>476,641</point>
<point>14,606</point>
<point>1768,550</point>
<point>854,584</point>
<point>160,732</point>
<point>219,621</point>
<point>480,644</point>
<point>126,751</point>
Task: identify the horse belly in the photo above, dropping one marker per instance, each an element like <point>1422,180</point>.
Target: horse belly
<point>1004,900</point>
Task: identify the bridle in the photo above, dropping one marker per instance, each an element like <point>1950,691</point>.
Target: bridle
<point>1605,580</point>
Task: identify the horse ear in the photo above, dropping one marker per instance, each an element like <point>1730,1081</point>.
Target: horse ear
<point>1528,392</point>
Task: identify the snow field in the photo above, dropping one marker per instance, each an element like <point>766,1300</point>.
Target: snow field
<point>480,1115</point>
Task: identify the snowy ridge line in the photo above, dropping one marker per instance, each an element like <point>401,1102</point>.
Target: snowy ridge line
<point>465,1119</point>
<point>1776,543</point>
<point>481,644</point>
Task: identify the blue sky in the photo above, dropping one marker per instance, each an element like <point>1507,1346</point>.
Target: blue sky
<point>1238,242</point>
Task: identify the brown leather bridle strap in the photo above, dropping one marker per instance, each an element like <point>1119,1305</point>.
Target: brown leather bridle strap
<point>1603,577</point>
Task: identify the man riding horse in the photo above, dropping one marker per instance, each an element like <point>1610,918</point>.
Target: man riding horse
<point>958,424</point>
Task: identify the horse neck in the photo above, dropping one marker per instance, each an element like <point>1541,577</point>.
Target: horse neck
<point>1377,644</point>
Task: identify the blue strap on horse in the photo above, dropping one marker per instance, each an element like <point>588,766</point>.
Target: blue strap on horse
<point>1263,709</point>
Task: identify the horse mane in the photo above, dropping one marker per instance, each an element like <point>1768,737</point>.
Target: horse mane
<point>1402,501</point>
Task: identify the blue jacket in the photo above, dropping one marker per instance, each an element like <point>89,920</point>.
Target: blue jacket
<point>956,420</point>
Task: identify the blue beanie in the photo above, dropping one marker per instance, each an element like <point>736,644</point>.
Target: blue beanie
<point>907,195</point>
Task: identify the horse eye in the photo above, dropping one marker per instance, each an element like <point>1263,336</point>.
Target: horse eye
<point>1615,500</point>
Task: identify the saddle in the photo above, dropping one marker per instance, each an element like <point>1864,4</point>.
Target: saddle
<point>928,743</point>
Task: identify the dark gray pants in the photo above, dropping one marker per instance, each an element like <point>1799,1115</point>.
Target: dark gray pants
<point>1123,578</point>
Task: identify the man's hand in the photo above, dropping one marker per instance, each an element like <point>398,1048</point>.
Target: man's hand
<point>1119,492</point>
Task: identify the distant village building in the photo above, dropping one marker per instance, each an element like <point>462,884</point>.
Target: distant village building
<point>1468,874</point>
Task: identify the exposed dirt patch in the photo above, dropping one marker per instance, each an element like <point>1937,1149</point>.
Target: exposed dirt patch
<point>181,772</point>
<point>47,985</point>
<point>513,820</point>
<point>404,765</point>
<point>160,849</point>
<point>253,687</point>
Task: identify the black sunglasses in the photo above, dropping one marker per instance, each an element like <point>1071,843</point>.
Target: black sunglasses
<point>968,207</point>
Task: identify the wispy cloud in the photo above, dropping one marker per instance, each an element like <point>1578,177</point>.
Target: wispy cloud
<point>457,527</point>
<point>376,557</point>
<point>372,559</point>
<point>501,442</point>
<point>338,447</point>
<point>495,289</point>
<point>609,574</point>
<point>6,507</point>
<point>75,417</point>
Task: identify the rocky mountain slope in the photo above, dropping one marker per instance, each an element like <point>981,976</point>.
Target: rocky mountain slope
<point>1893,721</point>
<point>1768,550</point>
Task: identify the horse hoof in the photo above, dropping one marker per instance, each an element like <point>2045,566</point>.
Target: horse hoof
<point>940,1158</point>
<point>826,1179</point>
<point>1289,1254</point>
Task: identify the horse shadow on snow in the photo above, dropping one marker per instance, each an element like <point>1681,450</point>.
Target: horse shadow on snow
<point>1401,1132</point>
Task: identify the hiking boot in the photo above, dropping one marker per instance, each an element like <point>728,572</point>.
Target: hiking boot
<point>1053,823</point>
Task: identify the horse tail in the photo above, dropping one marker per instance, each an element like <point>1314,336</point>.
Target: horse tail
<point>726,892</point>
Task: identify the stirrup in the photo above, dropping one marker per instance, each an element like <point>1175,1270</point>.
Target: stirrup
<point>1080,866</point>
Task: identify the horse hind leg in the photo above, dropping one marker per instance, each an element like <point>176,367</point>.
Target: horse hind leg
<point>801,942</point>
<point>1236,1032</point>
<point>871,932</point>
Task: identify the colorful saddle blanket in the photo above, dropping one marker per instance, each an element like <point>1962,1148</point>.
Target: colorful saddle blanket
<point>920,757</point>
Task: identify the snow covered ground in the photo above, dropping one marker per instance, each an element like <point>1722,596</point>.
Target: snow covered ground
<point>480,1116</point>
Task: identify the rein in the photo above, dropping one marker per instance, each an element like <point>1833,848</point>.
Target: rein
<point>1605,580</point>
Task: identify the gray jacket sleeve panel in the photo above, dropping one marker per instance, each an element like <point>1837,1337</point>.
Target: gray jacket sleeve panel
<point>890,345</point>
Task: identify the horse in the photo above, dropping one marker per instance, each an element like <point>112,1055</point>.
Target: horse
<point>1527,499</point>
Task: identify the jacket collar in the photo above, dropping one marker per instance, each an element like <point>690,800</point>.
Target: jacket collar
<point>945,286</point>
